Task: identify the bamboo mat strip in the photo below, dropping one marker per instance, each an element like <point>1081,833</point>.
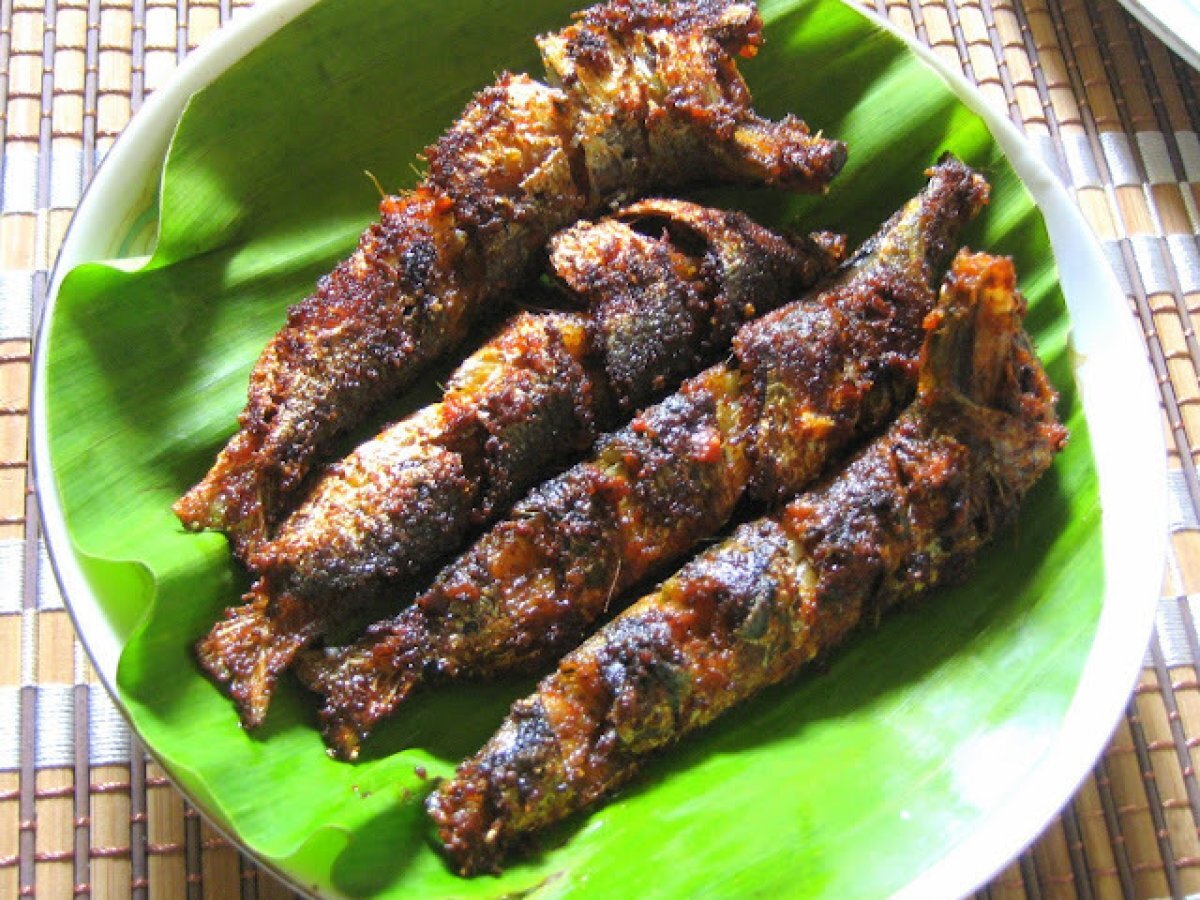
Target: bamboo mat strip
<point>1061,850</point>
<point>1164,878</point>
<point>1110,109</point>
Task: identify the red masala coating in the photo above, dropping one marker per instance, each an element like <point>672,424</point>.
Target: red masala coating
<point>809,380</point>
<point>523,161</point>
<point>907,514</point>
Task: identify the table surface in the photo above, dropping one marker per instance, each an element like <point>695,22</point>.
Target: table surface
<point>1114,113</point>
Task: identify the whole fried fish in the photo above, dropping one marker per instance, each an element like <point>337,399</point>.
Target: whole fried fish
<point>664,284</point>
<point>650,97</point>
<point>808,381</point>
<point>908,514</point>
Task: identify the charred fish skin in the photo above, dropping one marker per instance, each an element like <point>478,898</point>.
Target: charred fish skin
<point>670,282</point>
<point>528,589</point>
<point>515,168</point>
<point>536,581</point>
<point>527,403</point>
<point>356,525</point>
<point>250,645</point>
<point>872,320</point>
<point>537,394</point>
<point>909,513</point>
<point>678,61</point>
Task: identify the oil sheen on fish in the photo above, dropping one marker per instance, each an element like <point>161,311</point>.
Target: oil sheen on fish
<point>661,286</point>
<point>906,515</point>
<point>648,97</point>
<point>807,381</point>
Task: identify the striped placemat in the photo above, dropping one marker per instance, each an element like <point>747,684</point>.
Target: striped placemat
<point>1112,112</point>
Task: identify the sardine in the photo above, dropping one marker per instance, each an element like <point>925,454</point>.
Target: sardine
<point>806,383</point>
<point>909,513</point>
<point>650,98</point>
<point>662,287</point>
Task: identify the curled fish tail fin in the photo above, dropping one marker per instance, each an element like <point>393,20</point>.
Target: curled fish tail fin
<point>357,693</point>
<point>977,360</point>
<point>230,498</point>
<point>247,650</point>
<point>971,332</point>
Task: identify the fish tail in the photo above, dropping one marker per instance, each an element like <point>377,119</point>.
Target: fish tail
<point>977,357</point>
<point>247,650</point>
<point>230,498</point>
<point>358,693</point>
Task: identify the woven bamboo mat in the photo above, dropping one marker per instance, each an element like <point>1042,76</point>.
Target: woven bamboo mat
<point>1111,110</point>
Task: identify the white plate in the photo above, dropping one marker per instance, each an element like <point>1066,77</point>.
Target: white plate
<point>1176,22</point>
<point>1119,396</point>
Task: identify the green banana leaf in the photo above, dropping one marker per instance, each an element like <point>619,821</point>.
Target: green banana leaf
<point>850,781</point>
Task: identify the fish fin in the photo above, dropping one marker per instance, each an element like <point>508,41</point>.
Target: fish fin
<point>230,498</point>
<point>358,695</point>
<point>253,644</point>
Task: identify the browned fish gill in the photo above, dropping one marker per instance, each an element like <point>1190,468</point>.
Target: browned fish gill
<point>808,381</point>
<point>662,286</point>
<point>907,514</point>
<point>650,98</point>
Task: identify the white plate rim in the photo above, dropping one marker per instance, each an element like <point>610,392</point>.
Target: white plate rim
<point>1175,22</point>
<point>1103,332</point>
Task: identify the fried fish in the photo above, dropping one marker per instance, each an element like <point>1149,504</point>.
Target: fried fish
<point>909,513</point>
<point>647,96</point>
<point>662,287</point>
<point>807,381</point>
